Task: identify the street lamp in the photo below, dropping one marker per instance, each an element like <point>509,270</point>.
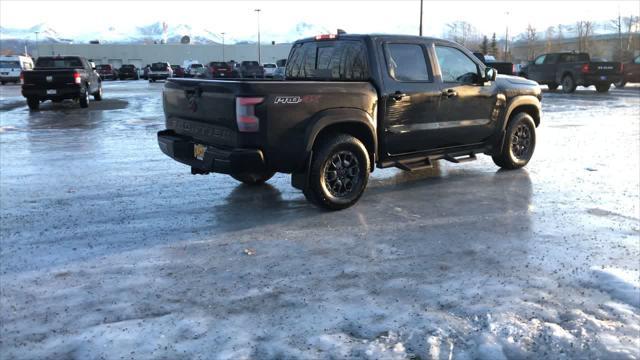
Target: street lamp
<point>506,39</point>
<point>420,17</point>
<point>37,49</point>
<point>258,11</point>
<point>222,45</point>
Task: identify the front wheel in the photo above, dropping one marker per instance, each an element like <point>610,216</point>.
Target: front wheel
<point>603,88</point>
<point>519,143</point>
<point>97,96</point>
<point>568,84</point>
<point>254,178</point>
<point>339,172</point>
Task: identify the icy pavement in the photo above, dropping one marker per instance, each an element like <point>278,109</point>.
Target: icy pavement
<point>112,250</point>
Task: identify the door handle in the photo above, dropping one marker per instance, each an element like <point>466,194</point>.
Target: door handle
<point>398,96</point>
<point>449,93</point>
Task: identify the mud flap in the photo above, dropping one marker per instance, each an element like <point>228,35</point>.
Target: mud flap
<point>300,180</point>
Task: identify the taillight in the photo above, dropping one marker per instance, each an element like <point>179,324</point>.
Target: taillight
<point>621,67</point>
<point>21,77</point>
<point>245,114</point>
<point>326,37</point>
<point>513,69</point>
<point>585,68</point>
<point>76,78</point>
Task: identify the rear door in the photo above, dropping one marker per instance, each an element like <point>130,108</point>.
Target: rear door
<point>410,97</point>
<point>465,113</point>
<point>535,69</point>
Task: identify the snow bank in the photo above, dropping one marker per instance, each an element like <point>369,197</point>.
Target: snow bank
<point>620,284</point>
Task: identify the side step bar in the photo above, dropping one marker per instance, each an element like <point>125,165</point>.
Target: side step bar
<point>416,164</point>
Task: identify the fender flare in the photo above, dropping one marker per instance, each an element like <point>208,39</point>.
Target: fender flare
<point>528,100</point>
<point>329,117</point>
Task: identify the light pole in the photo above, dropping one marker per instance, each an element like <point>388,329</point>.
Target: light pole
<point>506,40</point>
<point>37,49</point>
<point>222,45</point>
<point>420,17</point>
<point>258,11</point>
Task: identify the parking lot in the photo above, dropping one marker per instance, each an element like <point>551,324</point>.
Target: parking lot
<point>110,249</point>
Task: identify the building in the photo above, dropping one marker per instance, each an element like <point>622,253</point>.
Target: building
<point>143,54</point>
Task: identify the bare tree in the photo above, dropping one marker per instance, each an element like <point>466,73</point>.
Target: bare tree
<point>463,33</point>
<point>617,25</point>
<point>531,37</point>
<point>584,31</point>
<point>632,26</point>
<point>548,36</point>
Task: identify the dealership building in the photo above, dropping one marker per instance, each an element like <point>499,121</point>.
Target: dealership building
<point>143,54</point>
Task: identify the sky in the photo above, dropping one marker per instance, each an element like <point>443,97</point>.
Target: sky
<point>278,18</point>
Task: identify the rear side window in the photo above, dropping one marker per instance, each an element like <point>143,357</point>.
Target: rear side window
<point>636,60</point>
<point>568,58</point>
<point>328,60</point>
<point>551,59</point>
<point>59,63</point>
<point>455,65</point>
<point>406,62</point>
<point>540,59</point>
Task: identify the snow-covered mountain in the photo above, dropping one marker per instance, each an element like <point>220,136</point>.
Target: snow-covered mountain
<point>154,32</point>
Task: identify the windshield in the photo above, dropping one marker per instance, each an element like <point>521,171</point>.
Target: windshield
<point>66,62</point>
<point>127,67</point>
<point>9,64</point>
<point>219,64</point>
<point>250,63</point>
<point>193,66</point>
<point>103,67</point>
<point>269,66</point>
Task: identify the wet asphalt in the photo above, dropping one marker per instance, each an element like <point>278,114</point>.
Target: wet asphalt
<point>101,231</point>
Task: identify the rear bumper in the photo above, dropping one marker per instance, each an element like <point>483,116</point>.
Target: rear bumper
<point>592,79</point>
<point>224,161</point>
<point>158,76</point>
<point>9,78</point>
<point>69,92</point>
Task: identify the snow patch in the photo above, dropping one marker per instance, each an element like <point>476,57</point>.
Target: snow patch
<point>620,284</point>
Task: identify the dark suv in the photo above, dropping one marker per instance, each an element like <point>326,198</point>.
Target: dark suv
<point>251,69</point>
<point>349,104</point>
<point>107,72</point>
<point>128,72</point>
<point>219,69</point>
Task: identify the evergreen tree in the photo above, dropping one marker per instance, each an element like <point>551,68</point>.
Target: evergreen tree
<point>485,45</point>
<point>494,45</point>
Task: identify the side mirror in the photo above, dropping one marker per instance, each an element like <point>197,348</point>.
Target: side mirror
<point>93,65</point>
<point>490,74</point>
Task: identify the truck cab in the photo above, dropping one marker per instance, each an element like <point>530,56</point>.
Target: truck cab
<point>349,104</point>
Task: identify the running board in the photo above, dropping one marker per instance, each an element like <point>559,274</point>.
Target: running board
<point>460,159</point>
<point>415,165</point>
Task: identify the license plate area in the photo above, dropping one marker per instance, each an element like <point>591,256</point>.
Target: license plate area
<point>603,77</point>
<point>198,151</point>
<point>52,91</point>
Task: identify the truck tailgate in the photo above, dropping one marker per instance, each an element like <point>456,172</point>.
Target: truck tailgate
<point>50,78</point>
<point>203,111</point>
<point>604,68</point>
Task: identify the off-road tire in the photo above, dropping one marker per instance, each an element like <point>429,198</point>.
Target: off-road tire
<point>349,178</point>
<point>620,84</point>
<point>84,98</point>
<point>519,143</point>
<point>33,103</point>
<point>97,96</point>
<point>254,178</point>
<point>568,84</point>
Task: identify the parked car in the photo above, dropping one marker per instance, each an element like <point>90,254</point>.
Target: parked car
<point>107,72</point>
<point>57,78</point>
<point>269,69</point>
<point>195,70</point>
<point>504,67</point>
<point>160,71</point>
<point>218,69</point>
<point>178,71</point>
<point>351,103</point>
<point>630,73</point>
<point>128,71</point>
<point>251,69</point>
<point>571,69</point>
<point>279,74</point>
<point>11,67</point>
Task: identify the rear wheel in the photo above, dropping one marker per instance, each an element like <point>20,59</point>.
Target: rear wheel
<point>33,103</point>
<point>3,82</point>
<point>519,143</point>
<point>254,178</point>
<point>552,86</point>
<point>84,98</point>
<point>603,88</point>
<point>339,172</point>
<point>568,84</point>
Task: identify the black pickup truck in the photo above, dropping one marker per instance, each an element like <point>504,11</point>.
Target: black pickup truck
<point>503,67</point>
<point>350,103</point>
<point>571,69</point>
<point>57,78</point>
